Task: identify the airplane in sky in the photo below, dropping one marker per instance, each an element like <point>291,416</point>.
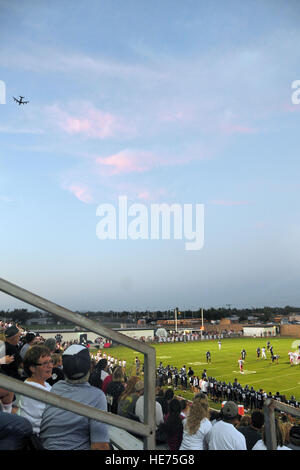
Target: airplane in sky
<point>20,101</point>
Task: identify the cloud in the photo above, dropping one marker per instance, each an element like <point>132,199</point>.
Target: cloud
<point>128,161</point>
<point>81,192</point>
<point>86,120</point>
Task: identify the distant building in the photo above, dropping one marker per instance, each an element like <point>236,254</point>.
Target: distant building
<point>294,317</point>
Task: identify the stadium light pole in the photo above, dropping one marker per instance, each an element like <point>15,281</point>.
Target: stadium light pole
<point>176,313</point>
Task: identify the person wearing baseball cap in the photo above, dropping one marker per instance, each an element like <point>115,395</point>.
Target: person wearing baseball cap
<point>12,336</point>
<point>224,435</point>
<point>64,430</point>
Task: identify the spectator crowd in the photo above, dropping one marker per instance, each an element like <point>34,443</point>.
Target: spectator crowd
<point>102,381</point>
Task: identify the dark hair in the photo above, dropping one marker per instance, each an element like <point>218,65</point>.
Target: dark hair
<point>95,379</point>
<point>101,364</point>
<point>174,422</point>
<point>169,394</point>
<point>257,419</point>
<point>33,356</point>
<point>183,404</point>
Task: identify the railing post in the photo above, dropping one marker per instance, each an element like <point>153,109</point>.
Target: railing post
<point>270,428</point>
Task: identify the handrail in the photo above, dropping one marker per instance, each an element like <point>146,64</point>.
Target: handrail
<point>148,428</point>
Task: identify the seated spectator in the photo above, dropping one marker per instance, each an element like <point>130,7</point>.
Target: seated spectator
<point>262,443</point>
<point>252,432</point>
<point>115,388</point>
<point>196,427</point>
<point>14,431</point>
<point>6,396</point>
<point>38,367</point>
<point>224,435</point>
<point>30,339</point>
<point>12,337</point>
<point>64,430</point>
<point>127,400</point>
<point>6,400</point>
<point>173,425</point>
<point>57,372</point>
<point>294,443</point>
<point>50,343</point>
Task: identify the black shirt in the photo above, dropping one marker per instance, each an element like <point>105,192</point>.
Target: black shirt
<point>12,369</point>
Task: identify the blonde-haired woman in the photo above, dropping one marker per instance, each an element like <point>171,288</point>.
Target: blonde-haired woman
<point>127,401</point>
<point>197,426</point>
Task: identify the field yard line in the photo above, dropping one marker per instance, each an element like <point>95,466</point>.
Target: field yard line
<point>272,378</point>
<point>286,389</point>
<point>259,380</point>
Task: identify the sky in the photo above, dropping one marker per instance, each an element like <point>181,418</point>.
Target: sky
<point>164,103</point>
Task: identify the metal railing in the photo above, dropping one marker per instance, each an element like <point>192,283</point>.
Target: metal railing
<point>147,430</point>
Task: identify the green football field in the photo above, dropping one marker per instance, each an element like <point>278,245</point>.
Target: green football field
<point>271,377</point>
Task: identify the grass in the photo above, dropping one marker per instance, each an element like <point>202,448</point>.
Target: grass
<point>260,373</point>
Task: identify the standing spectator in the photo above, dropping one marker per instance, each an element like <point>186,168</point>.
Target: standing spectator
<point>224,435</point>
<point>184,409</point>
<point>115,389</point>
<point>38,366</point>
<point>173,425</point>
<point>252,432</point>
<point>261,444</point>
<point>139,406</point>
<point>127,400</point>
<point>196,427</point>
<point>64,430</point>
<point>99,374</point>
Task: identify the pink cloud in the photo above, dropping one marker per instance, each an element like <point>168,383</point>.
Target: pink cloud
<point>81,192</point>
<point>229,203</point>
<point>127,161</point>
<point>88,121</point>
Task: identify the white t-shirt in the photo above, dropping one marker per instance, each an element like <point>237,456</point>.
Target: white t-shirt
<point>139,411</point>
<point>224,436</point>
<point>260,445</point>
<point>196,441</point>
<point>33,409</point>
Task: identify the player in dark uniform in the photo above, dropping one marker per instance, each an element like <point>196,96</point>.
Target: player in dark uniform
<point>243,354</point>
<point>252,398</point>
<point>275,358</point>
<point>258,352</point>
<point>208,356</point>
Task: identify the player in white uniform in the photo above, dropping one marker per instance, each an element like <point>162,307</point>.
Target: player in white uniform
<point>241,365</point>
